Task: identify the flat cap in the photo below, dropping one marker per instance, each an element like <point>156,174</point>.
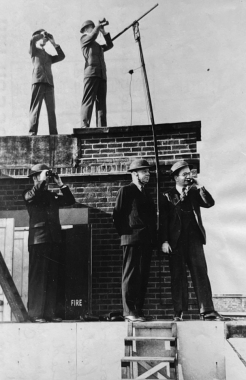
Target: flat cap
<point>38,168</point>
<point>138,164</point>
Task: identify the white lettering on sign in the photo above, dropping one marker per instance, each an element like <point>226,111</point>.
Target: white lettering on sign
<point>76,302</point>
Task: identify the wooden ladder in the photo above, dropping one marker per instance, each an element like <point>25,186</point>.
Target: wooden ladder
<point>150,351</point>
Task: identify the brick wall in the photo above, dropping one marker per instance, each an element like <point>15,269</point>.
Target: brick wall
<point>97,172</point>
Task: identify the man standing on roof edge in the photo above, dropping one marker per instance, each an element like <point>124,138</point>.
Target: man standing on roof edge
<point>183,237</point>
<point>95,78</point>
<point>42,80</point>
<point>135,221</point>
<point>44,242</point>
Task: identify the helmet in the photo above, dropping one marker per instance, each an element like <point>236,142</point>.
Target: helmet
<point>38,168</point>
<point>138,164</point>
<point>179,165</point>
<point>86,23</point>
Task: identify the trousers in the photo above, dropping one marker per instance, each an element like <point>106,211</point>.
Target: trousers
<point>42,279</point>
<point>40,92</point>
<point>95,91</point>
<point>135,276</point>
<point>189,251</point>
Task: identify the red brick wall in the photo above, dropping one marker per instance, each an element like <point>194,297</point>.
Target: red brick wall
<point>99,171</point>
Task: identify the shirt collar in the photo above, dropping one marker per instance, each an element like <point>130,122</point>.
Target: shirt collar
<point>140,187</point>
<point>180,188</point>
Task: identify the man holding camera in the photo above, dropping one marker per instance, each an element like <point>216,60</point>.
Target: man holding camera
<point>183,237</point>
<point>95,79</point>
<point>44,241</point>
<point>42,80</point>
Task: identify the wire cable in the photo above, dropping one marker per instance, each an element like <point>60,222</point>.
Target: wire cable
<point>130,93</point>
<point>130,88</point>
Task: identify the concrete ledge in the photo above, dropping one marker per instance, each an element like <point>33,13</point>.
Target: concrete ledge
<point>94,151</point>
<point>25,151</point>
<point>93,350</point>
<point>129,130</point>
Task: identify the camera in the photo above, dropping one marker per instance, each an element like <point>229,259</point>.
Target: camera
<point>50,174</point>
<point>103,22</point>
<point>190,180</point>
<point>193,175</point>
<point>47,35</point>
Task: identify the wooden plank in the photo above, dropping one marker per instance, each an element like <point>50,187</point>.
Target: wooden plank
<point>152,325</point>
<point>11,293</point>
<point>179,372</point>
<point>21,264</point>
<point>129,351</point>
<point>148,359</point>
<point>146,366</point>
<point>174,330</point>
<point>142,338</point>
<point>153,370</point>
<point>6,247</point>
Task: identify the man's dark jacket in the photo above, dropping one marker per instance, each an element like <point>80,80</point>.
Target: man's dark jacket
<point>134,216</point>
<point>43,208</point>
<point>42,62</point>
<point>93,53</point>
<point>170,213</point>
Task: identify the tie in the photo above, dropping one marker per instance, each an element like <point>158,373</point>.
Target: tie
<point>183,195</point>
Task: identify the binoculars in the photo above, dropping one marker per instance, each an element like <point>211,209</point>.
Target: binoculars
<point>47,35</point>
<point>190,180</point>
<point>50,174</point>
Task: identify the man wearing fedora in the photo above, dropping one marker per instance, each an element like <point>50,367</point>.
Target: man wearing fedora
<point>44,241</point>
<point>42,80</point>
<point>183,237</point>
<point>135,221</point>
<point>95,78</point>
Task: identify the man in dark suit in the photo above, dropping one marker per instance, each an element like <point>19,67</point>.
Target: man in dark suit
<point>135,222</point>
<point>42,80</point>
<point>183,237</point>
<point>95,78</point>
<point>44,242</point>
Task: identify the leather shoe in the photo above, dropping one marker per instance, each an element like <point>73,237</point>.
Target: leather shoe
<point>38,320</point>
<point>178,316</point>
<point>211,316</point>
<point>134,318</point>
<point>177,319</point>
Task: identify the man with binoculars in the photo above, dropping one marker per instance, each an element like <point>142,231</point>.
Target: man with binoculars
<point>44,241</point>
<point>42,80</point>
<point>95,79</point>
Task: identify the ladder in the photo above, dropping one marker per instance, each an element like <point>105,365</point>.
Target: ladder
<point>150,351</point>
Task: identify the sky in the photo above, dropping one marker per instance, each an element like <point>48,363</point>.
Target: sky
<point>195,56</point>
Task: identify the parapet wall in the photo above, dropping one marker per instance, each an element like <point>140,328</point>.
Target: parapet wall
<point>93,162</point>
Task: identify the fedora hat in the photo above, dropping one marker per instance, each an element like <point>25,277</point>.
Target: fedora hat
<point>179,165</point>
<point>38,168</point>
<point>138,164</point>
